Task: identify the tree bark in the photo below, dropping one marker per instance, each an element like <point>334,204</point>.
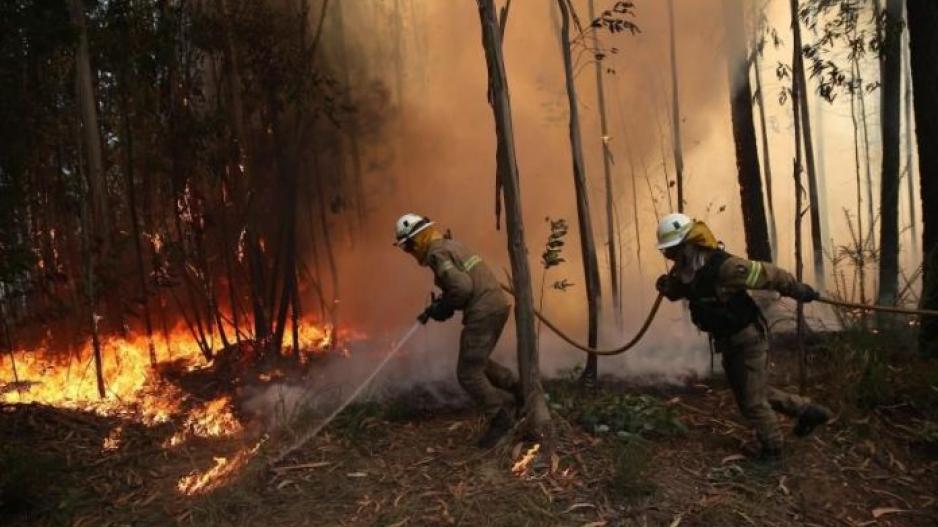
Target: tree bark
<point>796,101</point>
<point>817,242</point>
<point>676,114</point>
<point>923,44</point>
<point>909,164</point>
<point>144,300</point>
<point>766,157</point>
<point>537,414</point>
<point>889,182</point>
<point>587,243</point>
<point>607,177</point>
<point>744,135</point>
<point>84,88</point>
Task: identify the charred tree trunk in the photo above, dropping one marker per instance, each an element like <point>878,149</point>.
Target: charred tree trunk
<point>537,414</point>
<point>889,183</point>
<point>327,241</point>
<point>241,165</point>
<point>288,184</point>
<point>587,243</point>
<point>134,221</point>
<point>923,44</point>
<point>607,177</point>
<point>766,157</point>
<point>676,114</point>
<point>744,135</point>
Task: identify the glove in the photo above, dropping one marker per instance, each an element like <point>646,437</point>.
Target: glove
<point>804,293</point>
<point>666,286</point>
<point>437,310</point>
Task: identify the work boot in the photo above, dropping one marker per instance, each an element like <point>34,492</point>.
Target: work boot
<point>812,417</point>
<point>499,425</point>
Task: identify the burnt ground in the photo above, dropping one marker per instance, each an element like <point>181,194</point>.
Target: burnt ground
<point>672,458</point>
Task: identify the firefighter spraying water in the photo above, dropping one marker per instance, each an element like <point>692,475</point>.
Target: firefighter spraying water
<point>468,285</point>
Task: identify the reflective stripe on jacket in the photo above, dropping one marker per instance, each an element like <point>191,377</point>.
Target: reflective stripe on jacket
<point>468,284</point>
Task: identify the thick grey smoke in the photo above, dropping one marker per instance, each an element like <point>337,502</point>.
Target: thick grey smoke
<point>438,158</point>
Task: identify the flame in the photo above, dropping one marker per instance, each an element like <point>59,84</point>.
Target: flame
<point>212,419</point>
<point>200,483</point>
<point>134,388</point>
<point>521,466</point>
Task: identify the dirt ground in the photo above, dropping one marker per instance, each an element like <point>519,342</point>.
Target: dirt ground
<point>402,464</point>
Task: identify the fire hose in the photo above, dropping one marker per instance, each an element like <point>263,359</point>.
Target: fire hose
<point>302,440</point>
<point>657,304</point>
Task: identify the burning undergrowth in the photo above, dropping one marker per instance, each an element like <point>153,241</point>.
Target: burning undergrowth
<point>182,399</point>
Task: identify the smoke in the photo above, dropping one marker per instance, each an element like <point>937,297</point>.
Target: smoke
<point>438,158</point>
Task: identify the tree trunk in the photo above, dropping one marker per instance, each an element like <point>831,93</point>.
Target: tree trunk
<point>744,135</point>
<point>84,88</point>
<point>350,129</point>
<point>90,290</point>
<point>870,214</point>
<point>587,244</point>
<point>134,221</point>
<point>607,176</point>
<point>327,241</point>
<point>94,217</point>
<point>817,242</point>
<point>923,44</point>
<point>821,162</point>
<point>766,158</point>
<point>676,114</point>
<point>537,414</point>
<point>796,101</point>
<point>859,245</point>
<point>889,183</point>
<point>909,164</point>
<point>638,232</point>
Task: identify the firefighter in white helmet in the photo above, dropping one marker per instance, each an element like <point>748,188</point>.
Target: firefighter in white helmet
<point>467,285</point>
<point>715,283</point>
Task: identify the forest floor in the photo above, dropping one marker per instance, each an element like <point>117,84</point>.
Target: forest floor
<point>628,453</point>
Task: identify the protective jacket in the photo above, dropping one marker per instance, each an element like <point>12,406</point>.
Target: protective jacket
<point>468,284</point>
<point>719,303</point>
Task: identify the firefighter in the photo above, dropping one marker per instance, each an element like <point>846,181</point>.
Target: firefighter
<point>715,283</point>
<point>467,285</point>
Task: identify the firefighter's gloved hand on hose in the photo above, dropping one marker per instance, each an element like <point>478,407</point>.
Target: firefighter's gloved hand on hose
<point>804,293</point>
<point>669,286</point>
<point>437,310</point>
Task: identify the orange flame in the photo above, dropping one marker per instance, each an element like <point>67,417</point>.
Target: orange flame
<point>521,466</point>
<point>224,469</point>
<point>133,387</point>
<point>213,419</point>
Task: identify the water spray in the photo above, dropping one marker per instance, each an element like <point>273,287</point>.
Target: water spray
<point>305,438</point>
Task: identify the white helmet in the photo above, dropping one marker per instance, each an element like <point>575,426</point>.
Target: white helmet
<point>408,226</point>
<point>672,229</point>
